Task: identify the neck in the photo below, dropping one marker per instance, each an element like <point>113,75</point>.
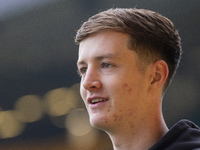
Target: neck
<point>139,136</point>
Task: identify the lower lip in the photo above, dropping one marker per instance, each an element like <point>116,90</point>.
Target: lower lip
<point>97,105</point>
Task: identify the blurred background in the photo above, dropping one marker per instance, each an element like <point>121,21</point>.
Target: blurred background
<point>40,106</point>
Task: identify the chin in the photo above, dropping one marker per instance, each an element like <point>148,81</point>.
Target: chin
<point>98,122</point>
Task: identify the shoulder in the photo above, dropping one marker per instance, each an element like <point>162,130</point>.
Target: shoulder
<point>184,135</point>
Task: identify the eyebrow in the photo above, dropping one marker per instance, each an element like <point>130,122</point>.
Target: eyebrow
<point>98,58</point>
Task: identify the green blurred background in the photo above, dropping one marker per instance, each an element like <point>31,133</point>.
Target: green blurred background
<point>40,106</point>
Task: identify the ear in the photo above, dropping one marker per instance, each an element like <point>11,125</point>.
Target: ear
<point>160,73</point>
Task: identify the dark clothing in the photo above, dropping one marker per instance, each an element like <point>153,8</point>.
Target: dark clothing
<point>184,135</point>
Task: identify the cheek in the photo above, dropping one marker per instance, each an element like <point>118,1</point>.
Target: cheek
<point>124,95</point>
<point>127,88</point>
<point>82,93</point>
<point>123,91</point>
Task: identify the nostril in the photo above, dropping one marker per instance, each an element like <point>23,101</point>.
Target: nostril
<point>96,84</point>
<point>92,85</point>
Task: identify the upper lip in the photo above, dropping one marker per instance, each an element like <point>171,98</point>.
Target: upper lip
<point>89,99</point>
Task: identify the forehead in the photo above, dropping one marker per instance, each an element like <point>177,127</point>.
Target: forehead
<point>107,44</point>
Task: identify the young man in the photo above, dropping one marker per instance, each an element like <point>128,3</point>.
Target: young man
<point>127,59</point>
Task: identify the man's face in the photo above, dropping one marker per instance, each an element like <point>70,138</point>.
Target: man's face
<point>112,87</point>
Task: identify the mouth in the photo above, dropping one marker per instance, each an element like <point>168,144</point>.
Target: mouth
<point>96,100</point>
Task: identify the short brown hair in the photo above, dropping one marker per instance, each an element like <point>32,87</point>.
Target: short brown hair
<point>152,36</point>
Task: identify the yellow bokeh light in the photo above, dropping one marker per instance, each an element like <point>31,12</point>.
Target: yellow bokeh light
<point>77,122</point>
<point>9,125</point>
<point>29,108</point>
<point>60,101</point>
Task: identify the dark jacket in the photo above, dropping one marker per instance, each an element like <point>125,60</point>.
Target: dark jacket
<point>184,135</point>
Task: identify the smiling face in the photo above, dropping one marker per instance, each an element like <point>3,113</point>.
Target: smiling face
<point>112,87</point>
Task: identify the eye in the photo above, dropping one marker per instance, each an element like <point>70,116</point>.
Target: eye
<point>106,65</point>
<point>82,71</point>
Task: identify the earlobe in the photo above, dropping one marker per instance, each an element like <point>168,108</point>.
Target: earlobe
<point>160,73</point>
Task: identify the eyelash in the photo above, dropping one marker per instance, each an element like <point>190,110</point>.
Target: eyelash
<point>104,65</point>
<point>81,71</point>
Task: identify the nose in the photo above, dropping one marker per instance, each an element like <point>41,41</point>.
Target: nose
<point>91,80</point>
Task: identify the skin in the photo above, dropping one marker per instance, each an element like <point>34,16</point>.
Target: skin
<point>131,111</point>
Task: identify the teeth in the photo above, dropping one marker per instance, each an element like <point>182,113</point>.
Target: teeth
<point>97,100</point>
